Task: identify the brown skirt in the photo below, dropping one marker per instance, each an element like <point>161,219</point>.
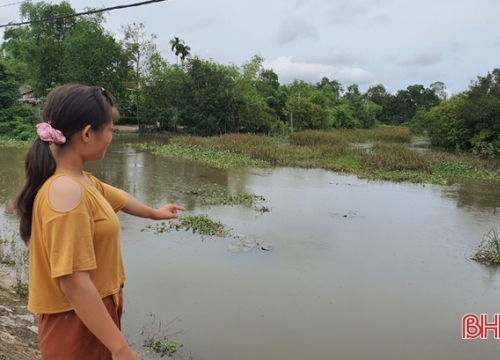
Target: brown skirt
<point>64,337</point>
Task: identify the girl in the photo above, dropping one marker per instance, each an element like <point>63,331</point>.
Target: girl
<point>68,219</point>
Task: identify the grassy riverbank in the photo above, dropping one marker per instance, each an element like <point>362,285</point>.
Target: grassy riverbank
<point>382,153</point>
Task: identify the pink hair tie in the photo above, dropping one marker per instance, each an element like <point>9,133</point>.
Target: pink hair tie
<point>48,133</point>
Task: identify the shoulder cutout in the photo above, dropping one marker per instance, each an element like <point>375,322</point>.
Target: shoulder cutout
<point>64,193</point>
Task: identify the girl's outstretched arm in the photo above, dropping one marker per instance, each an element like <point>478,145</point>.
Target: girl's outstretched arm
<point>136,208</point>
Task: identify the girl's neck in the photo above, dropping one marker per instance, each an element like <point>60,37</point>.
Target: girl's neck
<point>69,162</point>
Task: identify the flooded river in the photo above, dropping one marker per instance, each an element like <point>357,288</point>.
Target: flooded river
<point>358,269</point>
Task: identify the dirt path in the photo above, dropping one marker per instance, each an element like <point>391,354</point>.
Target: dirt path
<point>18,327</point>
<point>127,128</point>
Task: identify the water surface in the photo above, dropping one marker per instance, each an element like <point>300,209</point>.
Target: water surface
<point>358,269</point>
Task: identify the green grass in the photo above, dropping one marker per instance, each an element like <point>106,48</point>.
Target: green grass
<point>6,141</point>
<point>219,197</point>
<point>488,251</point>
<point>382,153</point>
<point>315,138</point>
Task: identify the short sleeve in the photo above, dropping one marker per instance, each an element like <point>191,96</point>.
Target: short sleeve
<point>116,197</point>
<point>68,240</point>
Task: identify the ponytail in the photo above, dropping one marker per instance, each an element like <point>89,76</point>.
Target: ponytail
<point>39,166</point>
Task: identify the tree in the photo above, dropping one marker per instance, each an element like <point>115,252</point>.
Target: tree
<point>444,124</point>
<point>481,113</point>
<point>91,56</point>
<point>305,114</point>
<point>8,87</point>
<point>467,121</point>
<point>341,117</point>
<point>16,120</point>
<point>377,94</point>
<point>404,105</point>
<point>162,93</point>
<point>184,51</point>
<point>40,45</point>
<point>176,43</point>
<point>440,89</point>
<point>140,48</point>
<point>207,105</point>
<point>252,112</point>
<point>334,85</point>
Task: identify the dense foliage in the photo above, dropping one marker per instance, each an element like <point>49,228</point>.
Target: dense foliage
<point>16,120</point>
<point>467,121</point>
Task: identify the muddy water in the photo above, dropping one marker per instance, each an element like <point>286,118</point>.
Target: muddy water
<point>357,270</point>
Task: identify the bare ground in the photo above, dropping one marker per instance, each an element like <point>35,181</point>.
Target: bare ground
<point>18,326</point>
<point>127,128</point>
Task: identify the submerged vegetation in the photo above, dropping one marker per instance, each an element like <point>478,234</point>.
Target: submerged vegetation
<point>220,197</point>
<point>488,251</point>
<point>382,153</point>
<point>199,224</point>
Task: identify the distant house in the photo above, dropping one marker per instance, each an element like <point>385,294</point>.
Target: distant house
<point>28,96</point>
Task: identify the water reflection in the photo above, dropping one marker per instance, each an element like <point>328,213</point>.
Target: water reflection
<point>481,196</point>
<point>11,172</point>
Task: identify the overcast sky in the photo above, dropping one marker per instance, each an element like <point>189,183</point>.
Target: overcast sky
<point>393,42</point>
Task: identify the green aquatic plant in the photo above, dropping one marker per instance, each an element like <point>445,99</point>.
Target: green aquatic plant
<point>199,224</point>
<point>157,338</point>
<point>164,347</point>
<point>221,159</point>
<point>453,168</point>
<point>220,197</point>
<point>488,251</point>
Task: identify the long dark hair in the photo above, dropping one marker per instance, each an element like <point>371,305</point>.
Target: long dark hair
<point>69,109</point>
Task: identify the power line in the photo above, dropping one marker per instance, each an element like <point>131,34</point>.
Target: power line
<point>83,13</point>
<point>19,2</point>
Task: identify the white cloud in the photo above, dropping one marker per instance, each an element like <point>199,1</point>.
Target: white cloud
<point>201,24</point>
<point>337,57</point>
<point>423,58</point>
<point>456,47</point>
<point>347,10</point>
<point>289,69</point>
<point>425,77</point>
<point>293,29</point>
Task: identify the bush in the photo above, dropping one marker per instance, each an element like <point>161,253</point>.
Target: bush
<point>18,122</point>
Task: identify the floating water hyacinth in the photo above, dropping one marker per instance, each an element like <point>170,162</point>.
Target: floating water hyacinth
<point>248,243</point>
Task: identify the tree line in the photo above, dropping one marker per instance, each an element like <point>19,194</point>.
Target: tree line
<point>207,98</point>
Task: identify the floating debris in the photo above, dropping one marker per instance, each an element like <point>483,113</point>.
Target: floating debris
<point>248,243</point>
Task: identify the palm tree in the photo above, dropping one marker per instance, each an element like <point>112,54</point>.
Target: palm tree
<point>185,52</point>
<point>176,45</point>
